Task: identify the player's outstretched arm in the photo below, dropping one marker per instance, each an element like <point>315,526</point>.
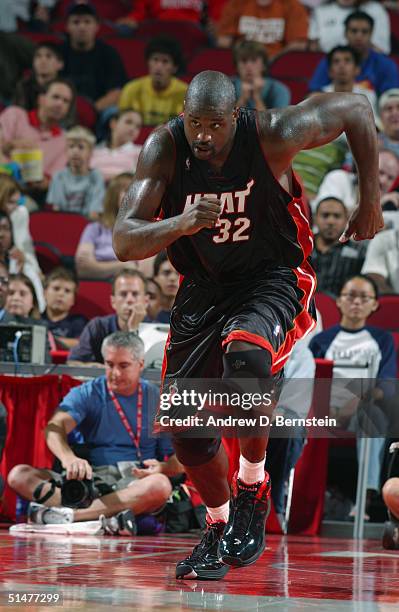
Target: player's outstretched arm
<point>136,234</point>
<point>316,121</point>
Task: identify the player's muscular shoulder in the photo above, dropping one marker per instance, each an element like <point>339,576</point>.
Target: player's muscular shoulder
<point>157,157</point>
<point>285,128</point>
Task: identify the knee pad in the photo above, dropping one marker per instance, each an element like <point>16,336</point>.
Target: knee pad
<point>192,452</point>
<point>254,370</point>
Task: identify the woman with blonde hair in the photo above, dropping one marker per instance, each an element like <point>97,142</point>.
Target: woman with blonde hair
<point>95,258</point>
<point>11,203</point>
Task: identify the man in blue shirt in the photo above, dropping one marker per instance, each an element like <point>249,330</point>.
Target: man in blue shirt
<point>377,71</point>
<point>114,413</point>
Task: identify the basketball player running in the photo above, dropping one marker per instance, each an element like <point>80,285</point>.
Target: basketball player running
<point>233,223</point>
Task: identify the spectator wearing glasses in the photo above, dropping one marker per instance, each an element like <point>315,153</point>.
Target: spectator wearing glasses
<point>364,352</point>
<point>334,261</point>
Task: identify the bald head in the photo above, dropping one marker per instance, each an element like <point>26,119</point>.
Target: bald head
<point>210,90</point>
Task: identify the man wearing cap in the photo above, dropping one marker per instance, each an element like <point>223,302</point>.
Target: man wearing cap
<point>94,67</point>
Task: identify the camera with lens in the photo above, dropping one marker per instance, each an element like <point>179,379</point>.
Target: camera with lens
<point>78,493</point>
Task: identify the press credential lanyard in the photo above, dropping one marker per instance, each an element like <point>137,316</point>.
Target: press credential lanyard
<point>119,409</point>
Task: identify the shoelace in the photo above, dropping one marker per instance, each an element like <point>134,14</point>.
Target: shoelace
<point>208,540</point>
<point>243,508</point>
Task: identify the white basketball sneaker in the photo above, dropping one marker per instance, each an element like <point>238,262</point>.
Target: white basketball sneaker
<point>49,515</point>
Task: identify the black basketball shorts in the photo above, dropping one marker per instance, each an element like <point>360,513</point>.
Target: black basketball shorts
<point>271,312</point>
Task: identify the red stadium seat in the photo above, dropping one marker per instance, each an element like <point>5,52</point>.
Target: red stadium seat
<point>93,299</point>
<point>144,133</point>
<point>190,36</point>
<point>59,356</point>
<point>212,59</point>
<point>86,112</point>
<point>298,88</point>
<point>294,69</point>
<point>39,37</point>
<point>328,309</point>
<point>61,230</point>
<point>48,256</point>
<point>387,315</point>
<point>131,51</point>
<point>295,64</point>
<point>394,19</point>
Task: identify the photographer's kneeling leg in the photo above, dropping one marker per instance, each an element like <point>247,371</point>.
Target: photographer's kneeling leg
<point>33,484</point>
<point>144,495</point>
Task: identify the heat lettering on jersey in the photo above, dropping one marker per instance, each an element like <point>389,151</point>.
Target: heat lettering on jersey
<point>233,202</point>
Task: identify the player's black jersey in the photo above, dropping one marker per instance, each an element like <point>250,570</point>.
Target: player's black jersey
<point>257,228</point>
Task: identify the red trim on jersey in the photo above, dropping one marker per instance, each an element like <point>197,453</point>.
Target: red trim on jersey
<point>306,281</point>
<point>246,336</point>
<point>165,357</point>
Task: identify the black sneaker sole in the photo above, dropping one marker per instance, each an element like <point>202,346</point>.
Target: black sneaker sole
<point>234,562</point>
<point>183,573</point>
<point>388,539</point>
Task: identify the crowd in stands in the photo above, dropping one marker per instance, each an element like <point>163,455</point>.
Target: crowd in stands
<point>84,83</point>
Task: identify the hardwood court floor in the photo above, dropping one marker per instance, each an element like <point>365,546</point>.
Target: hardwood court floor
<point>104,573</point>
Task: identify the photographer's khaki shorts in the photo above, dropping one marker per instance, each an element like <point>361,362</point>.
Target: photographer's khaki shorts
<point>110,475</point>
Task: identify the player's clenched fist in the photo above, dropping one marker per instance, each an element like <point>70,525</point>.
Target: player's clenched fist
<point>204,213</point>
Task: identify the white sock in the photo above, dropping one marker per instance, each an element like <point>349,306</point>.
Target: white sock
<point>221,513</point>
<point>251,472</point>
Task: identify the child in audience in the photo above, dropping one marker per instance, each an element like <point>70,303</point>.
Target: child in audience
<point>13,203</point>
<point>77,188</point>
<point>21,297</point>
<point>60,289</point>
<point>119,154</point>
<point>14,259</point>
<point>95,257</point>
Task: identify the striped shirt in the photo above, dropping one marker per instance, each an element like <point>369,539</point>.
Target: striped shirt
<point>337,264</point>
